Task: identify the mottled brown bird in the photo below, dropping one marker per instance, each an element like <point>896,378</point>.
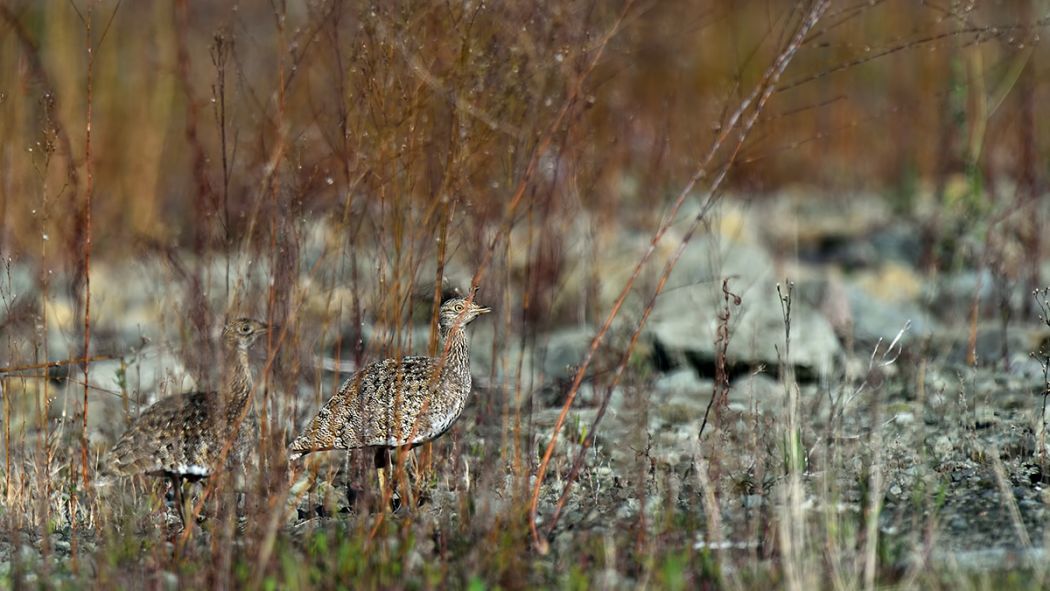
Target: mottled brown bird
<point>398,402</point>
<point>182,436</point>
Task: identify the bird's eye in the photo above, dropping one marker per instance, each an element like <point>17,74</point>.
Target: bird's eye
<point>459,307</point>
<point>245,329</point>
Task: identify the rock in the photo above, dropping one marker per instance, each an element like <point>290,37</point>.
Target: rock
<point>752,501</point>
<point>501,371</point>
<point>891,282</point>
<point>562,351</point>
<point>875,318</point>
<point>682,407</point>
<point>825,229</point>
<point>16,278</point>
<point>548,371</point>
<point>951,293</point>
<point>816,223</point>
<point>685,321</point>
<point>985,416</point>
<point>680,381</point>
<point>756,388</point>
<point>736,222</point>
<point>1028,371</point>
<point>898,241</point>
<point>127,300</point>
<point>990,343</point>
<point>153,370</point>
<point>830,296</point>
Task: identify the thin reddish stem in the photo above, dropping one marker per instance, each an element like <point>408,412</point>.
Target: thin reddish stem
<point>754,102</point>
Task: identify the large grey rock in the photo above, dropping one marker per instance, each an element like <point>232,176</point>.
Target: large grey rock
<point>898,241</point>
<point>684,380</point>
<point>685,320</point>
<point>990,343</point>
<point>755,390</point>
<point>825,228</point>
<point>874,318</point>
<point>545,366</point>
<point>958,291</point>
<point>562,351</point>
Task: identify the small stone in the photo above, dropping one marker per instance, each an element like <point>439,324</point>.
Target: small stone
<point>752,501</point>
<point>984,417</point>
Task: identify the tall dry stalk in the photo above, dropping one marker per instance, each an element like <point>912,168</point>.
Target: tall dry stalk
<point>739,122</point>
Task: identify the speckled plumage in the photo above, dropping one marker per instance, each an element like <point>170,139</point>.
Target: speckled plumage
<point>182,436</point>
<point>399,402</point>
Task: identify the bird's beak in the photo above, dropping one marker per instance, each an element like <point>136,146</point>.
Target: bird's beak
<point>482,310</point>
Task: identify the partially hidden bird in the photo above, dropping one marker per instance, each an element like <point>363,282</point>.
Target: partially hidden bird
<point>189,436</point>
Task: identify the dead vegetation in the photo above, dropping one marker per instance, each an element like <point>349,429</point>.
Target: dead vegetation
<point>338,168</point>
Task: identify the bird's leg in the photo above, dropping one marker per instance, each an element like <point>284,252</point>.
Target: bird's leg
<point>180,503</point>
<point>405,483</point>
<point>382,462</point>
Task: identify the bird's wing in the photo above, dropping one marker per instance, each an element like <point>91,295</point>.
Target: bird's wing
<point>167,437</point>
<point>360,414</point>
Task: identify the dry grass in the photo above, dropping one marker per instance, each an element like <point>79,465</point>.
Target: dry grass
<point>338,167</point>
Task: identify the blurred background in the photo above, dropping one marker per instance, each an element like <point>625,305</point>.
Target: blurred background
<point>204,115</point>
<point>403,131</point>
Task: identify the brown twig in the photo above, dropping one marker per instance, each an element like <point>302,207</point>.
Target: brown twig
<point>541,148</point>
<point>89,194</point>
<point>720,395</point>
<point>36,66</point>
<point>993,32</point>
<point>204,199</point>
<point>60,363</point>
<point>753,103</point>
<point>220,54</point>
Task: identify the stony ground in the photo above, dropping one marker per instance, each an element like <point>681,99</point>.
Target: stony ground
<point>940,432</point>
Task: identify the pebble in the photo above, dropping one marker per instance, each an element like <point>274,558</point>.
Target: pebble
<point>753,501</point>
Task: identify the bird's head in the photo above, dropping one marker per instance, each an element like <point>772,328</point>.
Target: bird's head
<point>457,311</point>
<point>243,332</point>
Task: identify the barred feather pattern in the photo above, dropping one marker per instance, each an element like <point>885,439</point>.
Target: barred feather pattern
<point>399,402</point>
<point>184,434</point>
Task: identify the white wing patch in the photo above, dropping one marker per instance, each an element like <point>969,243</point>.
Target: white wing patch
<point>192,470</point>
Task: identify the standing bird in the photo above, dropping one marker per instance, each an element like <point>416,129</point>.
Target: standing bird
<point>182,436</point>
<point>398,403</point>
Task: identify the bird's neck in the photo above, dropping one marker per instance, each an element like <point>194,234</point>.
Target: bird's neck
<point>237,376</point>
<point>454,340</point>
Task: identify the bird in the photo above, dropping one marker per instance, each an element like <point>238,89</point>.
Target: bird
<point>398,403</point>
<point>182,437</point>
